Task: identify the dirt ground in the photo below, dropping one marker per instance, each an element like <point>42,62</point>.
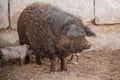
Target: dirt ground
<point>92,65</point>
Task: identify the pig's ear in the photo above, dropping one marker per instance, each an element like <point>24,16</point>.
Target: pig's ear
<point>89,32</point>
<point>75,31</point>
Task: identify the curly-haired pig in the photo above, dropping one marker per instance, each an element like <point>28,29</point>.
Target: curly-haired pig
<point>52,32</point>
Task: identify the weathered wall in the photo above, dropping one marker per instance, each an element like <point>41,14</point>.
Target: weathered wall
<point>83,8</point>
<point>108,37</point>
<point>8,38</point>
<point>102,11</point>
<point>4,22</point>
<point>107,11</point>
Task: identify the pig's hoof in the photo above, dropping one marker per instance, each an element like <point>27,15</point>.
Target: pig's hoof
<point>27,61</point>
<point>52,71</point>
<point>64,69</point>
<point>38,63</point>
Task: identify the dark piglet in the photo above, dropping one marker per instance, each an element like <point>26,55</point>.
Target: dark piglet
<point>52,33</point>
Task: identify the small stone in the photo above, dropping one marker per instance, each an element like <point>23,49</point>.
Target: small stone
<point>76,63</point>
<point>32,79</point>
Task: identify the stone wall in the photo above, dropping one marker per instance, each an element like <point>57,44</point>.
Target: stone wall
<point>99,11</point>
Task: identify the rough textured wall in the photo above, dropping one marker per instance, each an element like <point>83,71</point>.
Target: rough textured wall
<point>108,37</point>
<point>83,8</point>
<point>8,38</point>
<point>107,11</point>
<point>4,14</point>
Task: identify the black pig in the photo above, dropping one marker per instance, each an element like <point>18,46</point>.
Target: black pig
<point>52,32</point>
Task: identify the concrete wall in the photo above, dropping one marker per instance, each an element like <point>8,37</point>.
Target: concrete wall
<point>102,11</point>
<point>107,11</point>
<point>8,38</point>
<point>77,7</point>
<point>4,22</point>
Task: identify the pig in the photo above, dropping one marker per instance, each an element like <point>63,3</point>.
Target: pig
<point>16,52</point>
<point>52,32</point>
